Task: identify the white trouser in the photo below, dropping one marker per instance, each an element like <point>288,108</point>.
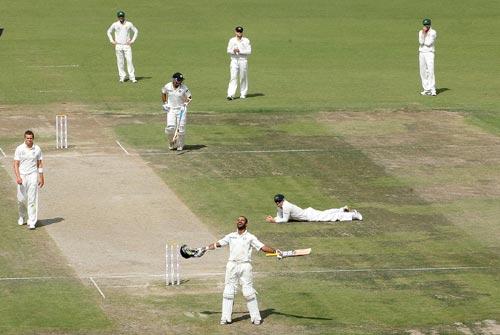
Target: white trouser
<point>334,214</point>
<point>124,52</point>
<point>426,62</point>
<point>239,66</point>
<point>239,273</point>
<point>27,198</point>
<point>176,117</point>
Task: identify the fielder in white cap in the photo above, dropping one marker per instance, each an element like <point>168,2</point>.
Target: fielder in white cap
<point>288,211</point>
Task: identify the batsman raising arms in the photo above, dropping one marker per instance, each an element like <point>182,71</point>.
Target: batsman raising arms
<point>176,97</point>
<point>239,269</point>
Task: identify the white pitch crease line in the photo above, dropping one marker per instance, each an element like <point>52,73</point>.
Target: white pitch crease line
<point>97,287</point>
<point>64,65</point>
<point>198,274</point>
<point>3,153</point>
<point>121,146</point>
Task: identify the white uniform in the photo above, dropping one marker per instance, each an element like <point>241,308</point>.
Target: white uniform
<point>177,111</point>
<point>290,211</point>
<point>426,60</point>
<point>27,192</point>
<point>239,269</point>
<point>239,65</point>
<point>122,48</point>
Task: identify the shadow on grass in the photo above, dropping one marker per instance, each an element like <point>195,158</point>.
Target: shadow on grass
<point>266,313</point>
<point>254,95</point>
<point>48,222</point>
<point>142,78</point>
<point>442,90</point>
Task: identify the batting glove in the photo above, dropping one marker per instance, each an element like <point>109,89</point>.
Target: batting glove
<point>279,254</point>
<point>165,107</point>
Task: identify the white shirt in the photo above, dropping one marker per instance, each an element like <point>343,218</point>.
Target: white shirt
<point>290,211</point>
<point>243,45</point>
<point>28,158</point>
<point>426,41</point>
<point>240,246</point>
<point>122,32</point>
<point>176,97</point>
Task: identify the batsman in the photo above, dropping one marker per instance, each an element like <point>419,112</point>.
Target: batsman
<point>238,268</point>
<point>176,98</point>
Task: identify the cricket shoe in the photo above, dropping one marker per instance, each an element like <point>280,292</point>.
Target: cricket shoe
<point>229,98</point>
<point>425,93</point>
<point>180,148</point>
<point>256,322</point>
<point>357,215</point>
<point>134,81</point>
<point>243,97</point>
<point>122,80</point>
<point>433,94</point>
<point>224,322</point>
<point>20,221</point>
<point>31,227</point>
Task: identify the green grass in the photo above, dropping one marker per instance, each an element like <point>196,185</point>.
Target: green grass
<point>400,231</point>
<point>35,306</point>
<point>322,55</point>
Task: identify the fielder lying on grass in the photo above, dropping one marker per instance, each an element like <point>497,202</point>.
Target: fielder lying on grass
<point>288,211</point>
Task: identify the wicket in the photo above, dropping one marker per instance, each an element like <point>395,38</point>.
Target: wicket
<point>61,131</point>
<point>172,272</point>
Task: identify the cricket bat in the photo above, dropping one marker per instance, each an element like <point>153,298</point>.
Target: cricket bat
<point>176,133</point>
<point>292,253</point>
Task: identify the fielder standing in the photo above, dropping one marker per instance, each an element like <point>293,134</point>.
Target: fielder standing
<point>426,39</point>
<point>28,168</point>
<point>239,49</point>
<point>288,211</point>
<point>239,269</point>
<point>123,45</point>
<point>176,97</point>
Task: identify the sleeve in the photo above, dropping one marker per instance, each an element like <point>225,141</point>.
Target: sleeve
<point>432,38</point>
<point>110,31</point>
<point>420,37</point>
<point>230,47</point>
<point>16,155</point>
<point>40,154</point>
<point>164,89</point>
<point>136,32</point>
<point>246,48</point>
<point>283,215</point>
<point>256,244</point>
<point>224,241</point>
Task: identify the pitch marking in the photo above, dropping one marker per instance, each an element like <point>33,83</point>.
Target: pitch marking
<point>97,287</point>
<point>121,146</point>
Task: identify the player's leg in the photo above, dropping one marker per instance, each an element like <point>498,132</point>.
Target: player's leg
<point>21,202</point>
<point>31,198</point>
<point>243,72</point>
<point>182,129</point>
<point>130,65</point>
<point>170,127</point>
<point>120,63</point>
<point>249,293</point>
<point>423,72</point>
<point>230,286</point>
<point>431,80</point>
<point>233,81</point>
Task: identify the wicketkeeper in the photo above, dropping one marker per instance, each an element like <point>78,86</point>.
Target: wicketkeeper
<point>239,269</point>
<point>176,98</point>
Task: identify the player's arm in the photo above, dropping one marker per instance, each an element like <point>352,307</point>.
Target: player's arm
<point>109,32</point>
<point>16,171</point>
<point>41,178</point>
<point>246,48</point>
<point>136,33</point>
<point>430,41</point>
